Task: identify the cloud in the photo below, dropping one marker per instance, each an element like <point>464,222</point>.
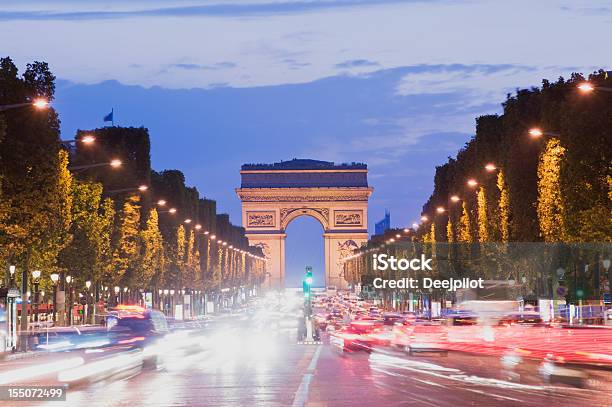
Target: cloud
<point>483,82</point>
<point>357,63</point>
<point>213,67</point>
<point>592,11</point>
<point>226,9</point>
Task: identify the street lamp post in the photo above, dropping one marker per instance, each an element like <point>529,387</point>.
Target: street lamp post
<point>11,315</point>
<point>54,280</point>
<point>24,304</point>
<point>86,310</point>
<point>606,264</point>
<point>35,281</point>
<point>69,281</point>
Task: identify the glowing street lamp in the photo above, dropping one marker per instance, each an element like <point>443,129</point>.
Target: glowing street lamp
<point>54,278</point>
<point>172,210</point>
<point>69,279</point>
<point>198,227</point>
<point>455,198</point>
<point>117,289</point>
<point>161,202</point>
<point>415,225</point>
<point>587,87</point>
<point>113,163</point>
<point>188,221</point>
<point>141,188</point>
<point>87,284</point>
<point>35,274</point>
<point>472,182</point>
<point>440,209</point>
<point>536,132</point>
<point>490,167</point>
<point>88,139</point>
<point>424,218</point>
<point>38,103</point>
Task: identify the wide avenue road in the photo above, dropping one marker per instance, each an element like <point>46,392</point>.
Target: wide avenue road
<point>240,360</point>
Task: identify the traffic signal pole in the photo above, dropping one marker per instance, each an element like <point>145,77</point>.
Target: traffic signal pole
<point>306,286</point>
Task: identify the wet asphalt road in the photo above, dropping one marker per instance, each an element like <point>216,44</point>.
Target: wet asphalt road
<point>267,368</point>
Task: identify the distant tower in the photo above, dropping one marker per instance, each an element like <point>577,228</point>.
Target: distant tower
<point>382,226</point>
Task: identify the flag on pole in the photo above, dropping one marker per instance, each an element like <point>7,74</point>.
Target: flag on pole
<point>109,117</point>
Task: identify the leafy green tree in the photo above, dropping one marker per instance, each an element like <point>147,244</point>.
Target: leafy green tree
<point>152,264</point>
<point>126,256</point>
<point>106,224</point>
<point>464,232</point>
<point>80,258</point>
<point>450,231</point>
<point>483,218</point>
<point>190,266</point>
<point>551,206</point>
<point>503,207</point>
<point>34,197</point>
<point>174,273</point>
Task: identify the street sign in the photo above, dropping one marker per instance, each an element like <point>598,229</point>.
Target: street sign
<point>607,299</point>
<point>13,293</point>
<point>561,291</point>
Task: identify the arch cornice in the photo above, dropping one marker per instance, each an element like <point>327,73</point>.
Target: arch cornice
<point>289,214</point>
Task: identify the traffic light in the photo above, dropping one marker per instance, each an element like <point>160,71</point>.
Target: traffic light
<point>307,281</point>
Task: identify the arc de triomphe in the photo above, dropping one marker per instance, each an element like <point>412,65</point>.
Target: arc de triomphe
<point>273,195</point>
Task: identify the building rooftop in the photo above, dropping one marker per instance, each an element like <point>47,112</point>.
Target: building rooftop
<point>304,164</point>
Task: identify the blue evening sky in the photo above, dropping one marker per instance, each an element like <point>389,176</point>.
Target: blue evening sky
<point>395,84</point>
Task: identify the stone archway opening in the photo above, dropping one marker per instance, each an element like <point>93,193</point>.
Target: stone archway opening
<point>272,195</point>
<point>304,246</point>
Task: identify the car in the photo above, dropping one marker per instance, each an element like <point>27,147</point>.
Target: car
<point>137,327</point>
<point>355,336</point>
<point>427,336</point>
<point>521,318</point>
<point>461,318</point>
<point>391,318</point>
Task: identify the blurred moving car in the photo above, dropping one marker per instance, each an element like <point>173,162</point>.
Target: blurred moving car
<point>426,336</point>
<point>391,318</point>
<point>356,336</point>
<point>526,317</point>
<point>137,327</point>
<point>461,318</point>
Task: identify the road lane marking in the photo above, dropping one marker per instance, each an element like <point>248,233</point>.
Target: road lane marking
<point>299,400</point>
